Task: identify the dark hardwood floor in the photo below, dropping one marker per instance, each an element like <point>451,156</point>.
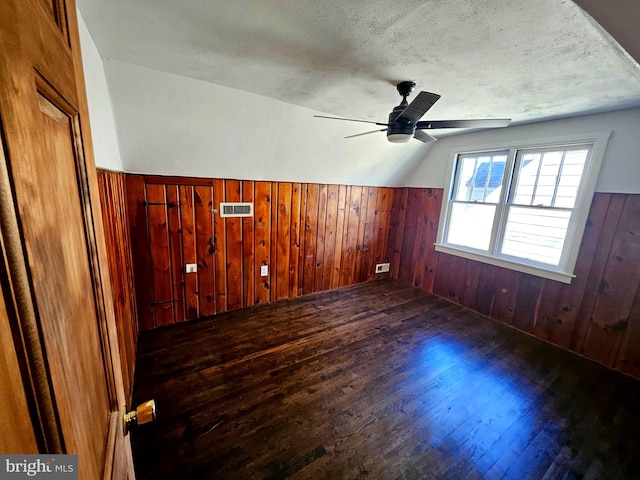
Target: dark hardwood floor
<point>378,380</point>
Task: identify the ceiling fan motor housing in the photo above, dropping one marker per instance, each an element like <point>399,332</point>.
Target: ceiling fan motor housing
<point>401,127</point>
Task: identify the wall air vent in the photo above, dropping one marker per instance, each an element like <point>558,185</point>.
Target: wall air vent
<point>236,209</point>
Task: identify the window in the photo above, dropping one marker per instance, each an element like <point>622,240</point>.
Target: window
<point>522,207</point>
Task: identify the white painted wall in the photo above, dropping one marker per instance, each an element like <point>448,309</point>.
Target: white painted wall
<point>620,172</point>
<point>103,129</point>
<point>173,125</point>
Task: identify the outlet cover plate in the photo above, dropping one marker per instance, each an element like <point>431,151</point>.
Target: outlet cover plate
<point>382,267</point>
<point>264,270</point>
<point>191,268</point>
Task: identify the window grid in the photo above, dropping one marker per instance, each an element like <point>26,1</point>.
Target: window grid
<point>558,177</point>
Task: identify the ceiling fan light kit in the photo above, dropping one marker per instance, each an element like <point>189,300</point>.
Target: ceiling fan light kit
<point>404,124</point>
<point>399,137</point>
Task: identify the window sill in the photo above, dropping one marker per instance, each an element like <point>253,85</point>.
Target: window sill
<point>556,275</point>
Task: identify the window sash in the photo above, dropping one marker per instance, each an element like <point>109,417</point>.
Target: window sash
<point>496,228</point>
<point>517,170</point>
<point>476,156</point>
<point>512,170</point>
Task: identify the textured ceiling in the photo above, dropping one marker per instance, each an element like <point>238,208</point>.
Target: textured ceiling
<point>511,58</point>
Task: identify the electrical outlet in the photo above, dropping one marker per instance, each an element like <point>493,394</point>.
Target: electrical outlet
<point>191,268</point>
<point>264,270</point>
<point>382,267</point>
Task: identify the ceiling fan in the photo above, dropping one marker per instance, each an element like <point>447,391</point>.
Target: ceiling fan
<point>404,124</point>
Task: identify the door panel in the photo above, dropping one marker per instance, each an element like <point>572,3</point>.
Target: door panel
<point>59,264</point>
<point>55,202</point>
<point>57,11</point>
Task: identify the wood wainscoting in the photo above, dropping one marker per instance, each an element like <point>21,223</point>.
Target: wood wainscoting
<point>116,232</point>
<point>312,237</point>
<point>597,315</point>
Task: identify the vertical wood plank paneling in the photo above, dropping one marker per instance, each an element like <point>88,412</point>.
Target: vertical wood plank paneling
<point>504,300</point>
<point>220,248</point>
<point>525,312</point>
<point>262,216</point>
<point>310,236</point>
<point>427,256</point>
<point>248,247</point>
<point>570,298</point>
<point>485,295</point>
<point>445,276</point>
<point>311,225</point>
<point>139,235</point>
<point>338,240</point>
<point>366,265</point>
<point>301,234</point>
<point>283,236</point>
<point>596,315</point>
<point>383,227</point>
<point>113,200</point>
<point>175,248</point>
<point>396,230</point>
<point>629,359</point>
<point>343,202</point>
<point>547,315</point>
<point>618,286</point>
<point>234,251</point>
<point>160,255</point>
<point>469,286</point>
<point>603,250</point>
<point>273,280</point>
<point>187,219</point>
<point>621,277</point>
<point>318,267</point>
<point>412,231</point>
<point>330,226</point>
<point>203,201</point>
<point>294,246</point>
<point>352,223</point>
<point>362,221</point>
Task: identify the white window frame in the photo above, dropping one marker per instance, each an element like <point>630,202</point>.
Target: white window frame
<point>578,220</point>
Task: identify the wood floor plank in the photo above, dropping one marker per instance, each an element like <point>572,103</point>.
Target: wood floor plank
<point>377,380</point>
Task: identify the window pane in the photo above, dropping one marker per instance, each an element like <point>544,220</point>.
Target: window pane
<point>566,196</point>
<point>536,234</point>
<point>479,177</point>
<point>570,178</point>
<point>527,178</point>
<point>549,179</point>
<point>470,225</point>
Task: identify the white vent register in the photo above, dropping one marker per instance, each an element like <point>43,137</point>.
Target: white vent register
<point>236,209</point>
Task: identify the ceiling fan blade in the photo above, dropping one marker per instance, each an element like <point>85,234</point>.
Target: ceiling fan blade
<point>484,123</point>
<point>367,133</point>
<point>424,137</point>
<point>351,120</point>
<point>418,107</point>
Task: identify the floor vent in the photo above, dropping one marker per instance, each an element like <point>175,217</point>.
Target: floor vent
<point>236,209</point>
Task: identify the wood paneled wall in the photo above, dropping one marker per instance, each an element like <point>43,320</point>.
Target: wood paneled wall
<point>312,237</point>
<point>116,232</point>
<point>597,315</point>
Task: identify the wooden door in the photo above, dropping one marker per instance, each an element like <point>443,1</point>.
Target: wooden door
<point>54,267</point>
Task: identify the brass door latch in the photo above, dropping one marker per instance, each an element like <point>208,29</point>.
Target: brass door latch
<point>144,413</point>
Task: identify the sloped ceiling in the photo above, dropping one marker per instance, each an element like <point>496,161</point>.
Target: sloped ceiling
<point>512,58</point>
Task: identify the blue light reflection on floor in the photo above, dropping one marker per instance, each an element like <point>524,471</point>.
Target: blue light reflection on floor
<point>494,421</point>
